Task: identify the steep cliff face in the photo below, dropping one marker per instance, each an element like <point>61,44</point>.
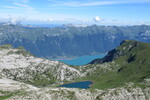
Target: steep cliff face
<point>70,41</point>
<point>126,47</point>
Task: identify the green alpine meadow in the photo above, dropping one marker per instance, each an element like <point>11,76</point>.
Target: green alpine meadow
<point>74,49</point>
<point>123,71</point>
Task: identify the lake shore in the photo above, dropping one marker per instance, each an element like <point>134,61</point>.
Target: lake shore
<point>78,82</point>
<point>83,60</point>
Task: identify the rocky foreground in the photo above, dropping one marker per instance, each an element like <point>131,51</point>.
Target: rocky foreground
<point>13,90</point>
<point>25,77</point>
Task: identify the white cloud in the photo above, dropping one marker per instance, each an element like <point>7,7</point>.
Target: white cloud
<point>78,4</point>
<point>22,5</point>
<point>47,20</point>
<point>50,19</point>
<point>18,6</point>
<point>100,3</point>
<point>22,1</point>
<point>25,1</point>
<point>114,20</point>
<point>16,21</point>
<point>11,7</point>
<point>97,18</point>
<point>24,8</point>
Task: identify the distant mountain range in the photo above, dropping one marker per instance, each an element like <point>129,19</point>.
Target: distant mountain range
<point>70,41</point>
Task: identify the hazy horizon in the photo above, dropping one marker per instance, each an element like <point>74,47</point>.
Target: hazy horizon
<point>100,12</point>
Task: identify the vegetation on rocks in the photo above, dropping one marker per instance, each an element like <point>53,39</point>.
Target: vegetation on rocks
<point>124,73</point>
<point>133,65</point>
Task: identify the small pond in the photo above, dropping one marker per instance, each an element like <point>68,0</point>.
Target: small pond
<point>82,85</point>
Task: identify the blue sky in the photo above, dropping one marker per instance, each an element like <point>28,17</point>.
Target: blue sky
<point>102,12</point>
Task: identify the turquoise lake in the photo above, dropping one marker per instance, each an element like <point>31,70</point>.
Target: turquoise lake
<point>82,60</point>
<point>82,85</point>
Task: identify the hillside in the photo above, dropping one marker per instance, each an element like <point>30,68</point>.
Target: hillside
<point>19,65</point>
<point>122,74</point>
<point>133,60</point>
<point>70,41</point>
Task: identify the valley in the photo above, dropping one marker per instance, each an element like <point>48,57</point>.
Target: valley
<point>71,41</point>
<point>83,60</point>
<point>74,50</point>
<point>122,73</point>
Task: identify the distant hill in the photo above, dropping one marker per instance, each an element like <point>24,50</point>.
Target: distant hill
<point>124,73</point>
<point>132,64</point>
<point>70,41</point>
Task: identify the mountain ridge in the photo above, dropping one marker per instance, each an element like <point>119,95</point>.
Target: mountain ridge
<point>71,41</point>
<point>24,76</point>
<point>132,58</point>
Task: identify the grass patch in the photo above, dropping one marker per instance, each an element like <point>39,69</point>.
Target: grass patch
<point>133,59</point>
<point>8,94</point>
<point>5,97</point>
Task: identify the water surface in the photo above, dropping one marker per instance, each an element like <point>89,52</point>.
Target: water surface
<point>82,60</point>
<point>82,85</point>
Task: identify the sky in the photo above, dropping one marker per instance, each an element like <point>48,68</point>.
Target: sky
<point>102,12</point>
